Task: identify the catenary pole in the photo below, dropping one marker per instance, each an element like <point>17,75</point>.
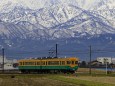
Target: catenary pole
<point>56,51</point>
<point>3,59</point>
<point>90,60</point>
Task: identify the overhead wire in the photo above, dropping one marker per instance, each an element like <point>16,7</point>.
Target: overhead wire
<point>44,52</point>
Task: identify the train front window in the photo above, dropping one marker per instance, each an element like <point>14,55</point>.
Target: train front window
<point>72,62</point>
<point>76,62</point>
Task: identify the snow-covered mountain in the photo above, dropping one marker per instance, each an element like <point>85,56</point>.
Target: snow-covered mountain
<point>107,10</point>
<point>50,20</point>
<point>37,4</point>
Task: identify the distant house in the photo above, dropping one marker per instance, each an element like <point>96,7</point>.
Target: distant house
<point>113,60</point>
<point>103,60</point>
<point>8,63</point>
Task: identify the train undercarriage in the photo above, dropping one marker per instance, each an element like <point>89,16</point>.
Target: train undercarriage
<point>46,71</point>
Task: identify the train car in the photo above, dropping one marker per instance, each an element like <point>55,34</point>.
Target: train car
<point>53,65</point>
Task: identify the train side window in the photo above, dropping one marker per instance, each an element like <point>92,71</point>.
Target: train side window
<point>43,62</point>
<point>20,63</point>
<point>35,63</point>
<point>53,63</point>
<point>63,62</point>
<point>29,63</point>
<point>49,62</point>
<point>46,62</point>
<point>38,63</point>
<point>60,62</point>
<point>23,63</point>
<point>26,63</point>
<point>56,62</point>
<point>68,62</point>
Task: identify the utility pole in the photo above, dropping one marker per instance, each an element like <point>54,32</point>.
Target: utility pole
<point>3,59</point>
<point>106,66</point>
<point>105,61</point>
<point>90,60</point>
<point>56,51</point>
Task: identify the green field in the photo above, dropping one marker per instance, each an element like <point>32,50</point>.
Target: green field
<point>55,80</point>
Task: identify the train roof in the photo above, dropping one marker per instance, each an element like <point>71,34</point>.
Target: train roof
<point>34,59</point>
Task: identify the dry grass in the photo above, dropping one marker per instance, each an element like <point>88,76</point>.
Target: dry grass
<point>86,70</point>
<point>55,80</point>
<point>88,80</point>
<point>106,79</point>
<point>32,82</point>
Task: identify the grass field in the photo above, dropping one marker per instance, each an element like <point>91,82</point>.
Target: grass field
<point>31,80</point>
<point>81,78</point>
<point>55,80</point>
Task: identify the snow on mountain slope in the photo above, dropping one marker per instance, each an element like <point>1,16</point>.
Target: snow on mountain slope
<point>86,23</point>
<point>54,17</point>
<point>46,17</point>
<point>22,31</point>
<point>37,4</point>
<point>39,24</point>
<point>107,10</point>
<point>33,4</point>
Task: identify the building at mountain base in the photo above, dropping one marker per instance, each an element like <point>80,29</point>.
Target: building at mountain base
<point>9,64</point>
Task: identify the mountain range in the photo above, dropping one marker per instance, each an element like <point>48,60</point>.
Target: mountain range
<point>37,25</point>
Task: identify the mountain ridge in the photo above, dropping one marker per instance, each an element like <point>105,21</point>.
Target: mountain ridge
<point>55,21</point>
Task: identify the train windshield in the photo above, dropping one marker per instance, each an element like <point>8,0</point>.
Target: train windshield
<point>72,62</point>
<point>76,62</point>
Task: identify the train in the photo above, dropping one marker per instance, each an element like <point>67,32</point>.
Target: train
<point>49,65</point>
